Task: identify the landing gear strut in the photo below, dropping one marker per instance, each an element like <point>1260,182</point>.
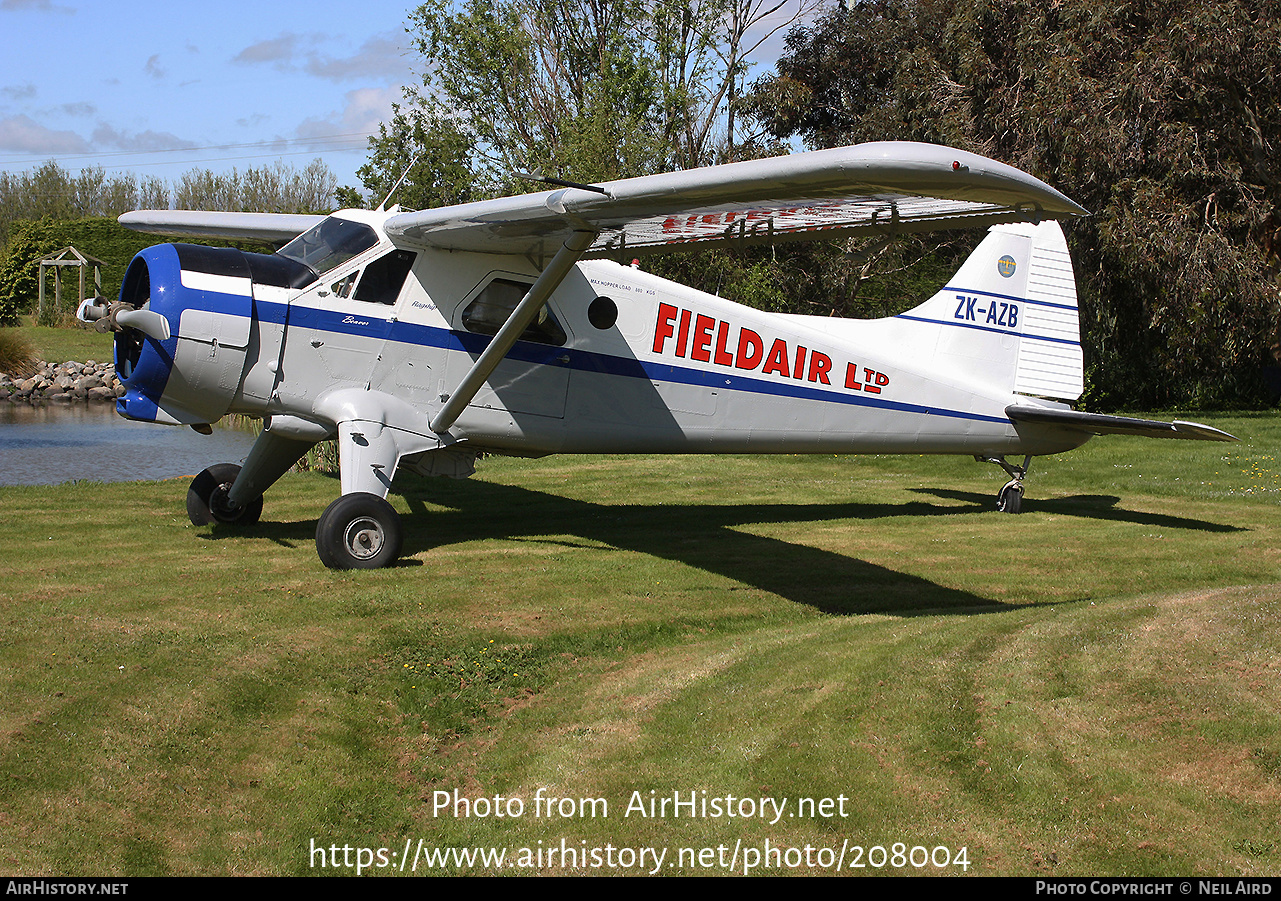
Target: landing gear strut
<point>1010,498</point>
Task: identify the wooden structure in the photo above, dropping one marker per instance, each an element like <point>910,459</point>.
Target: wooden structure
<point>68,256</point>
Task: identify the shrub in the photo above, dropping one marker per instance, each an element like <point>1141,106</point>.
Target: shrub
<point>17,356</point>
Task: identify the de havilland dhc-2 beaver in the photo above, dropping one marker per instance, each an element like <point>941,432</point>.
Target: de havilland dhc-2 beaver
<point>420,340</point>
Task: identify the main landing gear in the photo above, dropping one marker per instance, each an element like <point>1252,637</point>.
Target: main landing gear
<point>207,500</point>
<point>1010,498</point>
<point>359,531</point>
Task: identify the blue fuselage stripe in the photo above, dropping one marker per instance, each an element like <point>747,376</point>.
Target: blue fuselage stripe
<point>588,362</point>
<point>985,328</point>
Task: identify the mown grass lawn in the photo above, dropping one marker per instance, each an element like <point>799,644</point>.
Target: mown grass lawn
<point>1091,687</point>
<point>58,345</point>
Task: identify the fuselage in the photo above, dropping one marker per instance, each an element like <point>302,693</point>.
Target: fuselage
<point>620,360</point>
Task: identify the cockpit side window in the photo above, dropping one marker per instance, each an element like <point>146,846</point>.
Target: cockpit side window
<point>385,276</point>
<point>492,307</point>
<point>331,243</point>
<point>342,287</point>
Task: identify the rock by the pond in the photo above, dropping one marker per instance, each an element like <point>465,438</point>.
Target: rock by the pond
<point>69,382</point>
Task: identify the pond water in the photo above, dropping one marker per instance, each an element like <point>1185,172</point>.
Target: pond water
<point>52,443</point>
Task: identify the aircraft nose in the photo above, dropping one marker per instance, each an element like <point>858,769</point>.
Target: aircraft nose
<point>182,327</point>
<point>144,331</point>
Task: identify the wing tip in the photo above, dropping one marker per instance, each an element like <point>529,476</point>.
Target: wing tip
<point>1202,432</point>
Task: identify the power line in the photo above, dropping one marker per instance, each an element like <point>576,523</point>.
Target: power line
<point>103,155</point>
<point>232,159</point>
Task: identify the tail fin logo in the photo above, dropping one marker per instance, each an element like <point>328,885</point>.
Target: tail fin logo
<point>1006,266</point>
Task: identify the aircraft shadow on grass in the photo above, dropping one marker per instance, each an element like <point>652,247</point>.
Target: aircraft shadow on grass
<point>710,537</point>
<point>1089,506</point>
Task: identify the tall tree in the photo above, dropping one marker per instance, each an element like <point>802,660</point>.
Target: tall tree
<point>1159,116</point>
<point>278,188</point>
<point>423,155</point>
<point>588,90</point>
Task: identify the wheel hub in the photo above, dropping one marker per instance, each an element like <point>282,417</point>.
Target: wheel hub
<point>364,538</point>
<point>221,506</point>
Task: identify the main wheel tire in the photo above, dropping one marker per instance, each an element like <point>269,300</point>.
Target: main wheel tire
<point>1010,500</point>
<point>207,499</point>
<point>359,531</point>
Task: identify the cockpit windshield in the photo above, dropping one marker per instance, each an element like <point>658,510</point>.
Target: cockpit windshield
<point>331,243</point>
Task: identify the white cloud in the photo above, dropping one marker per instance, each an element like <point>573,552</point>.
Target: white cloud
<point>107,136</point>
<point>365,109</point>
<point>43,6</point>
<point>381,56</point>
<point>19,91</point>
<point>278,52</point>
<point>22,134</point>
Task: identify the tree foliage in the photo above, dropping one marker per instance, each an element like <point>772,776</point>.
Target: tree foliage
<point>51,192</point>
<point>100,237</point>
<point>1158,116</point>
<point>421,153</point>
<point>278,188</point>
<point>587,90</point>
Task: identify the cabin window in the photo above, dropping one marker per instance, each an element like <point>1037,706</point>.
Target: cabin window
<point>602,313</point>
<point>384,277</point>
<point>486,314</point>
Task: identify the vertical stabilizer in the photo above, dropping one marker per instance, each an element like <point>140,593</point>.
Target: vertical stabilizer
<point>1009,316</point>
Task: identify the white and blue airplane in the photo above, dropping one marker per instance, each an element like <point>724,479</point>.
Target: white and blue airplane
<point>420,340</point>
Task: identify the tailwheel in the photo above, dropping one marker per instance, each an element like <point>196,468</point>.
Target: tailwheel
<point>207,500</point>
<point>359,531</point>
<point>1010,498</point>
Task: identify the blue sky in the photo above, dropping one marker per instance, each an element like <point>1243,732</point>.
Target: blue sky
<point>158,88</point>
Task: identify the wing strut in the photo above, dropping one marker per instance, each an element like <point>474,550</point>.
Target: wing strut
<point>570,252</point>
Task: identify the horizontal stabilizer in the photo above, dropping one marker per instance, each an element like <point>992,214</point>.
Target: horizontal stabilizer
<point>1100,424</point>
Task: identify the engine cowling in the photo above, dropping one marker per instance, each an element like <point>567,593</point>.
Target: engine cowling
<point>211,299</point>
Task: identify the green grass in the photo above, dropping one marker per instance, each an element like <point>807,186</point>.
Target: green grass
<point>58,345</point>
<point>1088,688</point>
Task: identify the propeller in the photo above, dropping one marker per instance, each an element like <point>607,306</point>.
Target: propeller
<point>115,316</point>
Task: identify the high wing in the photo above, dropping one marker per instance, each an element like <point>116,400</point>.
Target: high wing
<point>885,188</point>
<point>882,187</point>
<point>272,228</point>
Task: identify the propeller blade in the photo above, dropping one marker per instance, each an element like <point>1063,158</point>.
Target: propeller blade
<point>148,322</point>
